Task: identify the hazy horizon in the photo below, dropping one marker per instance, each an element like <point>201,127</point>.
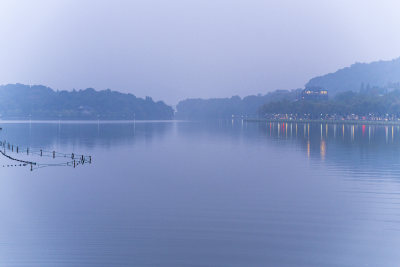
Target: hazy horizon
<point>172,50</point>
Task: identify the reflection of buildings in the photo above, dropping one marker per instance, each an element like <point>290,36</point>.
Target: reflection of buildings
<point>322,149</point>
<point>314,93</point>
<point>327,141</point>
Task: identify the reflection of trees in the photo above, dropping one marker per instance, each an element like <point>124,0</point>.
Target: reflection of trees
<point>42,135</point>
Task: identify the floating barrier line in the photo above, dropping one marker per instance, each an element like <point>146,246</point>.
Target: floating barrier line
<point>40,152</point>
<point>19,160</point>
<point>75,159</point>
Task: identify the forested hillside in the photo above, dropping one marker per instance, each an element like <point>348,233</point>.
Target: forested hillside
<point>223,108</point>
<point>18,101</point>
<point>360,75</point>
<point>375,102</point>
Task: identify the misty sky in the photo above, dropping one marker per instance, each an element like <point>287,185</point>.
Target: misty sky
<point>175,49</point>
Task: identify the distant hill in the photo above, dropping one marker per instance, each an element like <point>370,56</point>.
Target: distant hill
<point>224,108</point>
<point>359,75</point>
<point>368,78</point>
<point>19,101</point>
<point>371,103</point>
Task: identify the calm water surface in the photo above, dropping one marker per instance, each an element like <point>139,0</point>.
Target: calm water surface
<point>203,194</point>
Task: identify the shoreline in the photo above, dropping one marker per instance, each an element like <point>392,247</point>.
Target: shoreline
<point>359,122</point>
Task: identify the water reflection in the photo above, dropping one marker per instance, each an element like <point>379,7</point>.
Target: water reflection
<point>318,140</point>
<point>323,149</point>
<point>373,146</point>
<point>205,194</point>
<point>87,134</point>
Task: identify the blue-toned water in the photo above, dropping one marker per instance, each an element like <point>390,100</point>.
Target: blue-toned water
<point>226,193</point>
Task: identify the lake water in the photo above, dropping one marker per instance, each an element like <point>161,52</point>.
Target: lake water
<point>225,193</point>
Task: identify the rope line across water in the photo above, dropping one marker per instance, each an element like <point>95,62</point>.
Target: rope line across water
<point>75,159</point>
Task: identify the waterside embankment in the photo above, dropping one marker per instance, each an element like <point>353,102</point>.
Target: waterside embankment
<point>360,122</point>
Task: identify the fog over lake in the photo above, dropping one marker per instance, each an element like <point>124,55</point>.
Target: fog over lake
<point>177,49</point>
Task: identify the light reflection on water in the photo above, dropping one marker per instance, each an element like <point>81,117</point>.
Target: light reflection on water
<point>227,193</point>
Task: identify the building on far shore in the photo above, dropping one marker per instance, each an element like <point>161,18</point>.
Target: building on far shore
<point>315,93</point>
